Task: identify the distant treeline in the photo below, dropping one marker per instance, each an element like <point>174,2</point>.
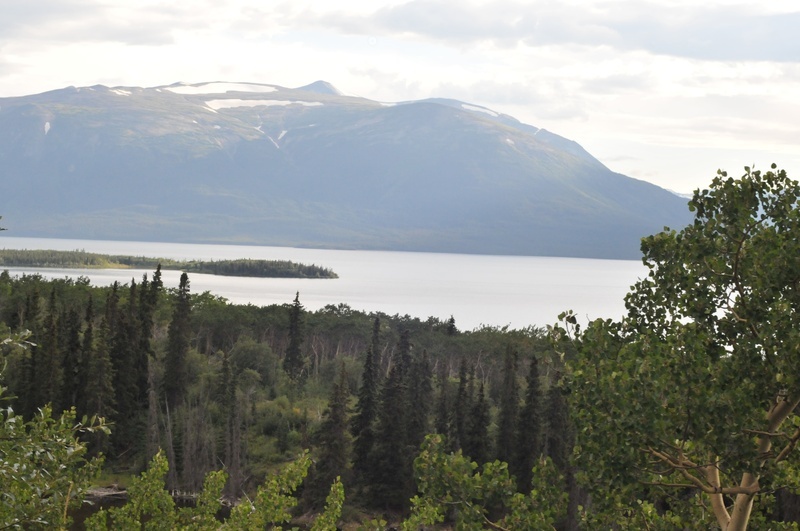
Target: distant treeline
<point>238,268</point>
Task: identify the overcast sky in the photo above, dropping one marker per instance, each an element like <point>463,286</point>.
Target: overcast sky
<point>665,91</point>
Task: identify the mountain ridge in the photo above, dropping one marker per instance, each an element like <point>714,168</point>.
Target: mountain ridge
<point>256,163</point>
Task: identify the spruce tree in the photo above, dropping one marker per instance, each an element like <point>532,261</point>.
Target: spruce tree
<point>390,463</point>
<point>73,361</point>
<point>363,424</point>
<point>334,445</point>
<point>420,398</point>
<point>49,375</point>
<point>176,376</point>
<point>98,395</point>
<point>461,408</point>
<point>293,362</point>
<point>477,443</point>
<point>529,431</point>
<point>509,408</point>
<point>124,346</point>
<point>560,438</point>
<point>443,421</point>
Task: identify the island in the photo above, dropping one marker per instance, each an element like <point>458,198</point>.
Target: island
<point>243,267</point>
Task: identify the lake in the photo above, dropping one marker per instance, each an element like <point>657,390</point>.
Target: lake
<point>517,291</point>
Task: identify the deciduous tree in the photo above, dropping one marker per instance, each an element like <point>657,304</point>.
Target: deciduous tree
<point>697,387</point>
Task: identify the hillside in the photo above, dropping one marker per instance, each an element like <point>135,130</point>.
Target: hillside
<point>263,164</point>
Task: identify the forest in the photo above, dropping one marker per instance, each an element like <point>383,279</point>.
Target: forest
<point>242,267</point>
<point>681,415</point>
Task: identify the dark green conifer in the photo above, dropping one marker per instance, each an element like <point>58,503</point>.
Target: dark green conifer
<point>49,374</point>
<point>559,439</point>
<point>529,431</point>
<point>176,375</point>
<point>420,399</point>
<point>477,444</point>
<point>334,443</point>
<point>509,408</point>
<point>462,408</point>
<point>443,422</point>
<point>73,360</point>
<point>391,461</point>
<point>293,362</point>
<point>363,424</point>
<point>98,395</point>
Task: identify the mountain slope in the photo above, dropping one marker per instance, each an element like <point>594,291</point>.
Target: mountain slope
<point>255,163</point>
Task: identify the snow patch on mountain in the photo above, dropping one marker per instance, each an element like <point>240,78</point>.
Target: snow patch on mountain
<point>220,88</point>
<point>230,103</point>
<point>120,92</point>
<point>475,108</point>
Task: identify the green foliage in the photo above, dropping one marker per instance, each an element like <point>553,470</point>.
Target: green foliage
<point>147,499</point>
<point>697,388</point>
<point>235,268</point>
<point>43,467</point>
<point>273,501</point>
<point>333,509</point>
<point>451,483</point>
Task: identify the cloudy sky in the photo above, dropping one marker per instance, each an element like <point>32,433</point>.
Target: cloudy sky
<point>665,91</point>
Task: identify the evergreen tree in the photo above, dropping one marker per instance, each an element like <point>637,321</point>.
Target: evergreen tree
<point>293,363</point>
<point>176,373</point>
<point>462,408</point>
<point>124,346</point>
<point>98,395</point>
<point>560,438</point>
<point>443,424</point>
<point>73,360</point>
<point>233,454</point>
<point>334,445</point>
<point>49,376</point>
<point>529,431</point>
<point>28,386</point>
<point>391,462</point>
<point>363,424</point>
<point>420,398</point>
<point>509,408</point>
<point>148,300</point>
<point>477,443</point>
<point>451,326</point>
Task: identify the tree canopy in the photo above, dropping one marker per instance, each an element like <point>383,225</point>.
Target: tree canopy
<point>697,388</point>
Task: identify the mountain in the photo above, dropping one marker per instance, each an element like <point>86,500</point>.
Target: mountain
<point>253,163</point>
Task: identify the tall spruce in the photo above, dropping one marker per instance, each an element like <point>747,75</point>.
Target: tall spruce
<point>391,462</point>
<point>509,408</point>
<point>477,443</point>
<point>443,424</point>
<point>72,356</point>
<point>176,372</point>
<point>529,430</point>
<point>363,423</point>
<point>462,407</point>
<point>98,395</point>
<point>124,346</point>
<point>49,375</point>
<point>420,399</point>
<point>232,436</point>
<point>334,443</point>
<point>560,438</point>
<point>293,362</point>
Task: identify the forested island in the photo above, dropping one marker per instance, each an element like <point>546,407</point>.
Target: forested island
<point>681,415</point>
<point>237,268</point>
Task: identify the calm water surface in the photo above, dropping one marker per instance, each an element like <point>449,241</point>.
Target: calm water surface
<point>518,291</point>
